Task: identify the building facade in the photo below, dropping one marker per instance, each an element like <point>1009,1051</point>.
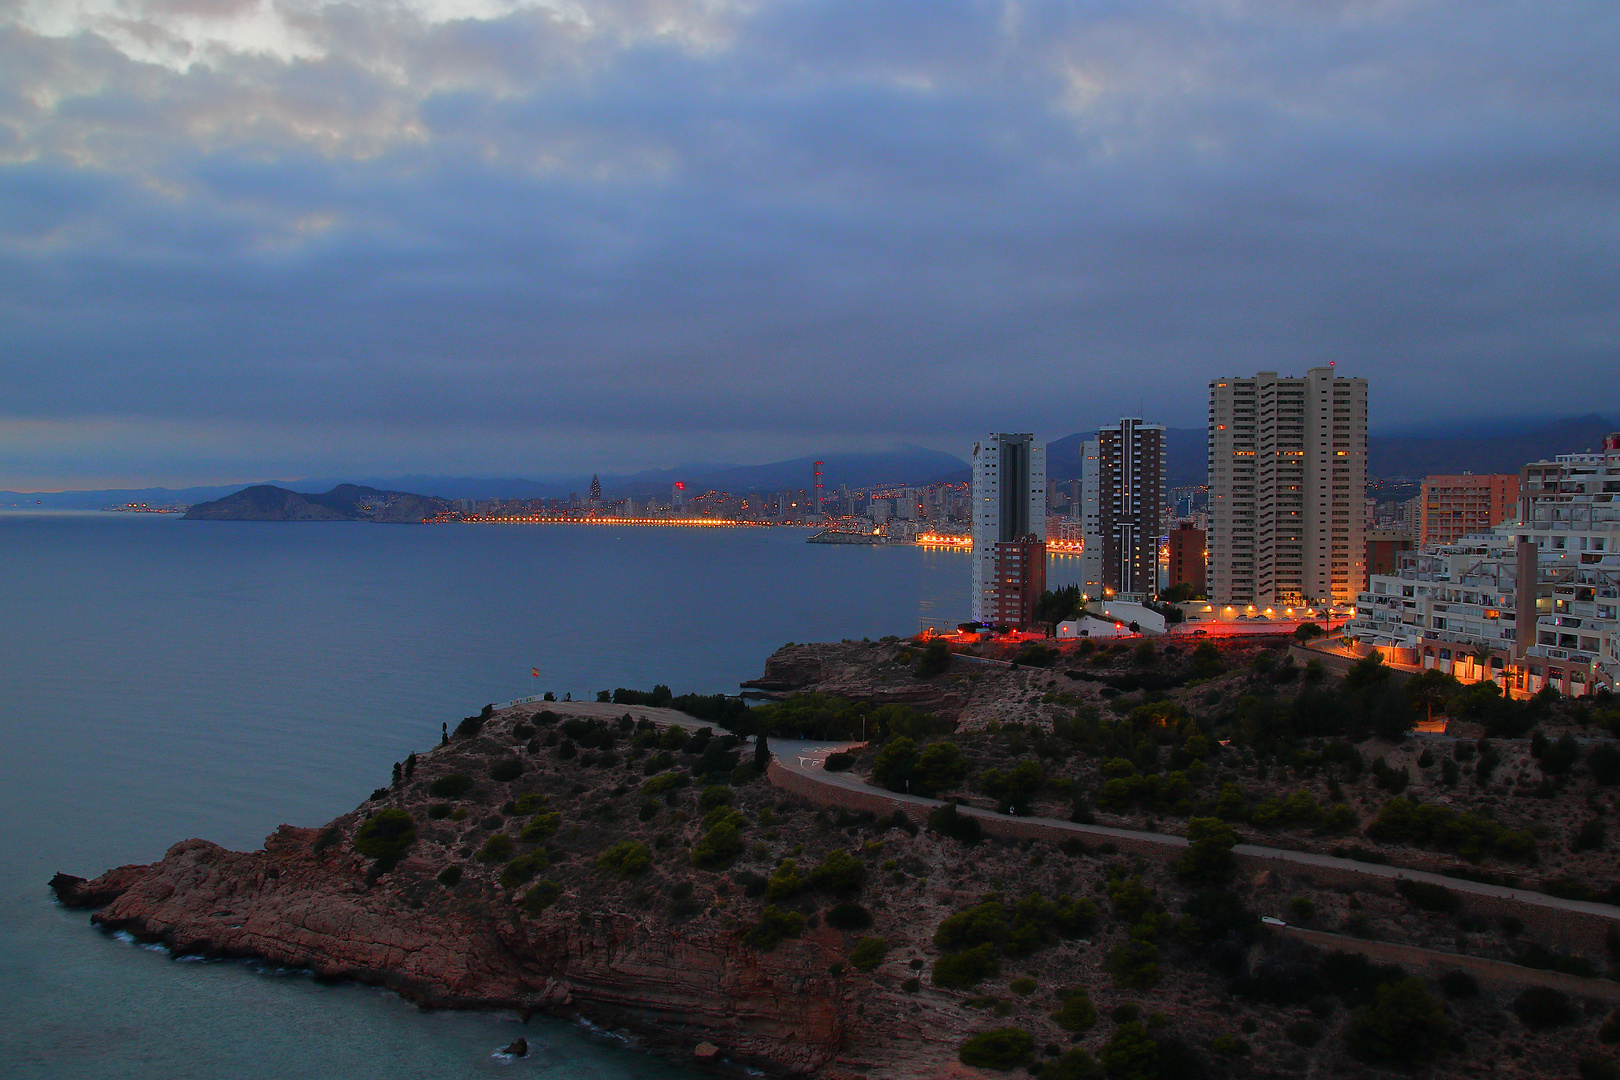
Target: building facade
<point>1123,518</point>
<point>1452,507</point>
<point>1009,529</point>
<point>1288,479</point>
<point>1187,565</point>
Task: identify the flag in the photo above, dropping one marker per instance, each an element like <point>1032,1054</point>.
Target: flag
<point>535,672</point>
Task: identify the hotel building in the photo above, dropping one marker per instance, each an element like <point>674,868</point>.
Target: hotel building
<point>1009,529</point>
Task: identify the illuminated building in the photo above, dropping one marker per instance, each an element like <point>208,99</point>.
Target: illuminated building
<point>1287,484</point>
<point>1457,506</point>
<point>1009,529</point>
<point>1124,499</point>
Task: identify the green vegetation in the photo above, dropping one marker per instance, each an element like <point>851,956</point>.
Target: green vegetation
<point>386,836</point>
<point>839,872</point>
<point>775,924</point>
<point>522,869</point>
<point>848,916</point>
<point>901,766</point>
<point>722,840</point>
<point>1404,1025</point>
<point>505,770</point>
<point>1002,1049</point>
<point>541,896</point>
<point>936,658</point>
<point>1405,820</point>
<point>453,786</point>
<point>1076,1013</point>
<point>948,821</point>
<point>449,876</point>
<point>958,971</point>
<point>817,716</point>
<point>868,953</point>
<point>1014,788</point>
<point>626,859</point>
<point>540,827</point>
<point>498,848</point>
<point>1208,859</point>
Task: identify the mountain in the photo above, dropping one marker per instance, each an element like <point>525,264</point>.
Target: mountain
<point>346,502</point>
<point>1499,449</point>
<point>105,497</point>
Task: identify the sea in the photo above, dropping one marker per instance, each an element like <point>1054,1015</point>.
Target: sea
<point>162,679</point>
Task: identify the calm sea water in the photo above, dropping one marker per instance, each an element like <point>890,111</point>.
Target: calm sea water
<point>166,679</point>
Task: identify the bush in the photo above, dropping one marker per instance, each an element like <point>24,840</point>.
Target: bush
<point>1427,896</point>
<point>1075,1064</point>
<point>1459,984</point>
<point>1134,965</point>
<point>453,786</point>
<point>506,770</point>
<point>1002,1049</point>
<point>958,971</point>
<point>713,796</point>
<point>1076,1014</point>
<point>540,827</point>
<point>1131,1054</point>
<point>785,882</point>
<point>839,761</point>
<point>1023,986</point>
<point>947,821</point>
<point>497,848</point>
<point>1404,1026</point>
<point>522,869</point>
<point>626,859</point>
<point>1303,1033</point>
<point>386,836</point>
<point>1541,1008</point>
<point>450,875</point>
<point>722,842</point>
<point>1404,819</point>
<point>936,658</point>
<point>541,896</point>
<point>839,872</point>
<point>868,953</point>
<point>848,916</point>
<point>775,924</point>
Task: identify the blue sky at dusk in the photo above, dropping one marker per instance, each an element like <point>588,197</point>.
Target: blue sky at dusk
<point>245,239</point>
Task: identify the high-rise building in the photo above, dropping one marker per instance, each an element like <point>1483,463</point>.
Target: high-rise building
<point>1090,513</point>
<point>1009,529</point>
<point>1123,520</point>
<point>1457,506</point>
<point>1187,565</point>
<point>1287,480</point>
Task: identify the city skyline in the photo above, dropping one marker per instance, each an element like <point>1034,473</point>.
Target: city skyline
<point>300,238</point>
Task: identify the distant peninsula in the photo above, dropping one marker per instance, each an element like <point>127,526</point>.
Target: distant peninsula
<point>346,502</point>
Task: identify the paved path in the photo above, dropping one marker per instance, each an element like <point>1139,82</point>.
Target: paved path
<point>806,758</point>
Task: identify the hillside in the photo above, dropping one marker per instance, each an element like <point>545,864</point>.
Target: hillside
<point>346,502</point>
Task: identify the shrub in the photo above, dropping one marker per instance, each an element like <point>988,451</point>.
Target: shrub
<point>1228,1045</point>
<point>1541,1008</point>
<point>505,770</point>
<point>522,869</point>
<point>947,821</point>
<point>1404,819</point>
<point>666,782</point>
<point>453,786</point>
<point>1134,965</point>
<point>1023,986</point>
<point>1131,1053</point>
<point>722,841</point>
<point>838,761</point>
<point>775,924</point>
<point>497,848</point>
<point>1076,1013</point>
<point>868,953</point>
<point>386,836</point>
<point>541,896</point>
<point>1459,984</point>
<point>1303,1033</point>
<point>1002,1049</point>
<point>936,658</point>
<point>1604,762</point>
<point>626,859</point>
<point>848,916</point>
<point>450,875</point>
<point>1427,896</point>
<point>1405,1025</point>
<point>958,971</point>
<point>713,796</point>
<point>540,827</point>
<point>1301,909</point>
<point>786,881</point>
<point>838,872</point>
<point>1075,1064</point>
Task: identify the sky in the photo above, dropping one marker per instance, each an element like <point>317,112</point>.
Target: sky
<point>251,239</point>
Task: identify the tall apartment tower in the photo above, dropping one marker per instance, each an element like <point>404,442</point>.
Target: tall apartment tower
<point>1287,485</point>
<point>1457,506</point>
<point>1122,517</point>
<point>1091,553</point>
<point>1009,529</point>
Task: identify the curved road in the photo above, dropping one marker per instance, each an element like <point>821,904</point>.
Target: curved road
<point>806,758</point>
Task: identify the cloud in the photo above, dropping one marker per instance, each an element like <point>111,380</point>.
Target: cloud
<point>754,225</point>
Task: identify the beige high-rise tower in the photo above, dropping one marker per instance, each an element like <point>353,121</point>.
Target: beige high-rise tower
<point>1287,490</point>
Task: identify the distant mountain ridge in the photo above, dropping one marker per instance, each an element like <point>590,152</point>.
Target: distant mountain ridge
<point>346,502</point>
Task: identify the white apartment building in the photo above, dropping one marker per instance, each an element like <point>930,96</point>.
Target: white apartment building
<point>1009,528</point>
<point>1287,484</point>
<point>1460,606</point>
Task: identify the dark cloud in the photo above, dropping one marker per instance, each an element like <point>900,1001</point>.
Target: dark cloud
<point>673,229</point>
